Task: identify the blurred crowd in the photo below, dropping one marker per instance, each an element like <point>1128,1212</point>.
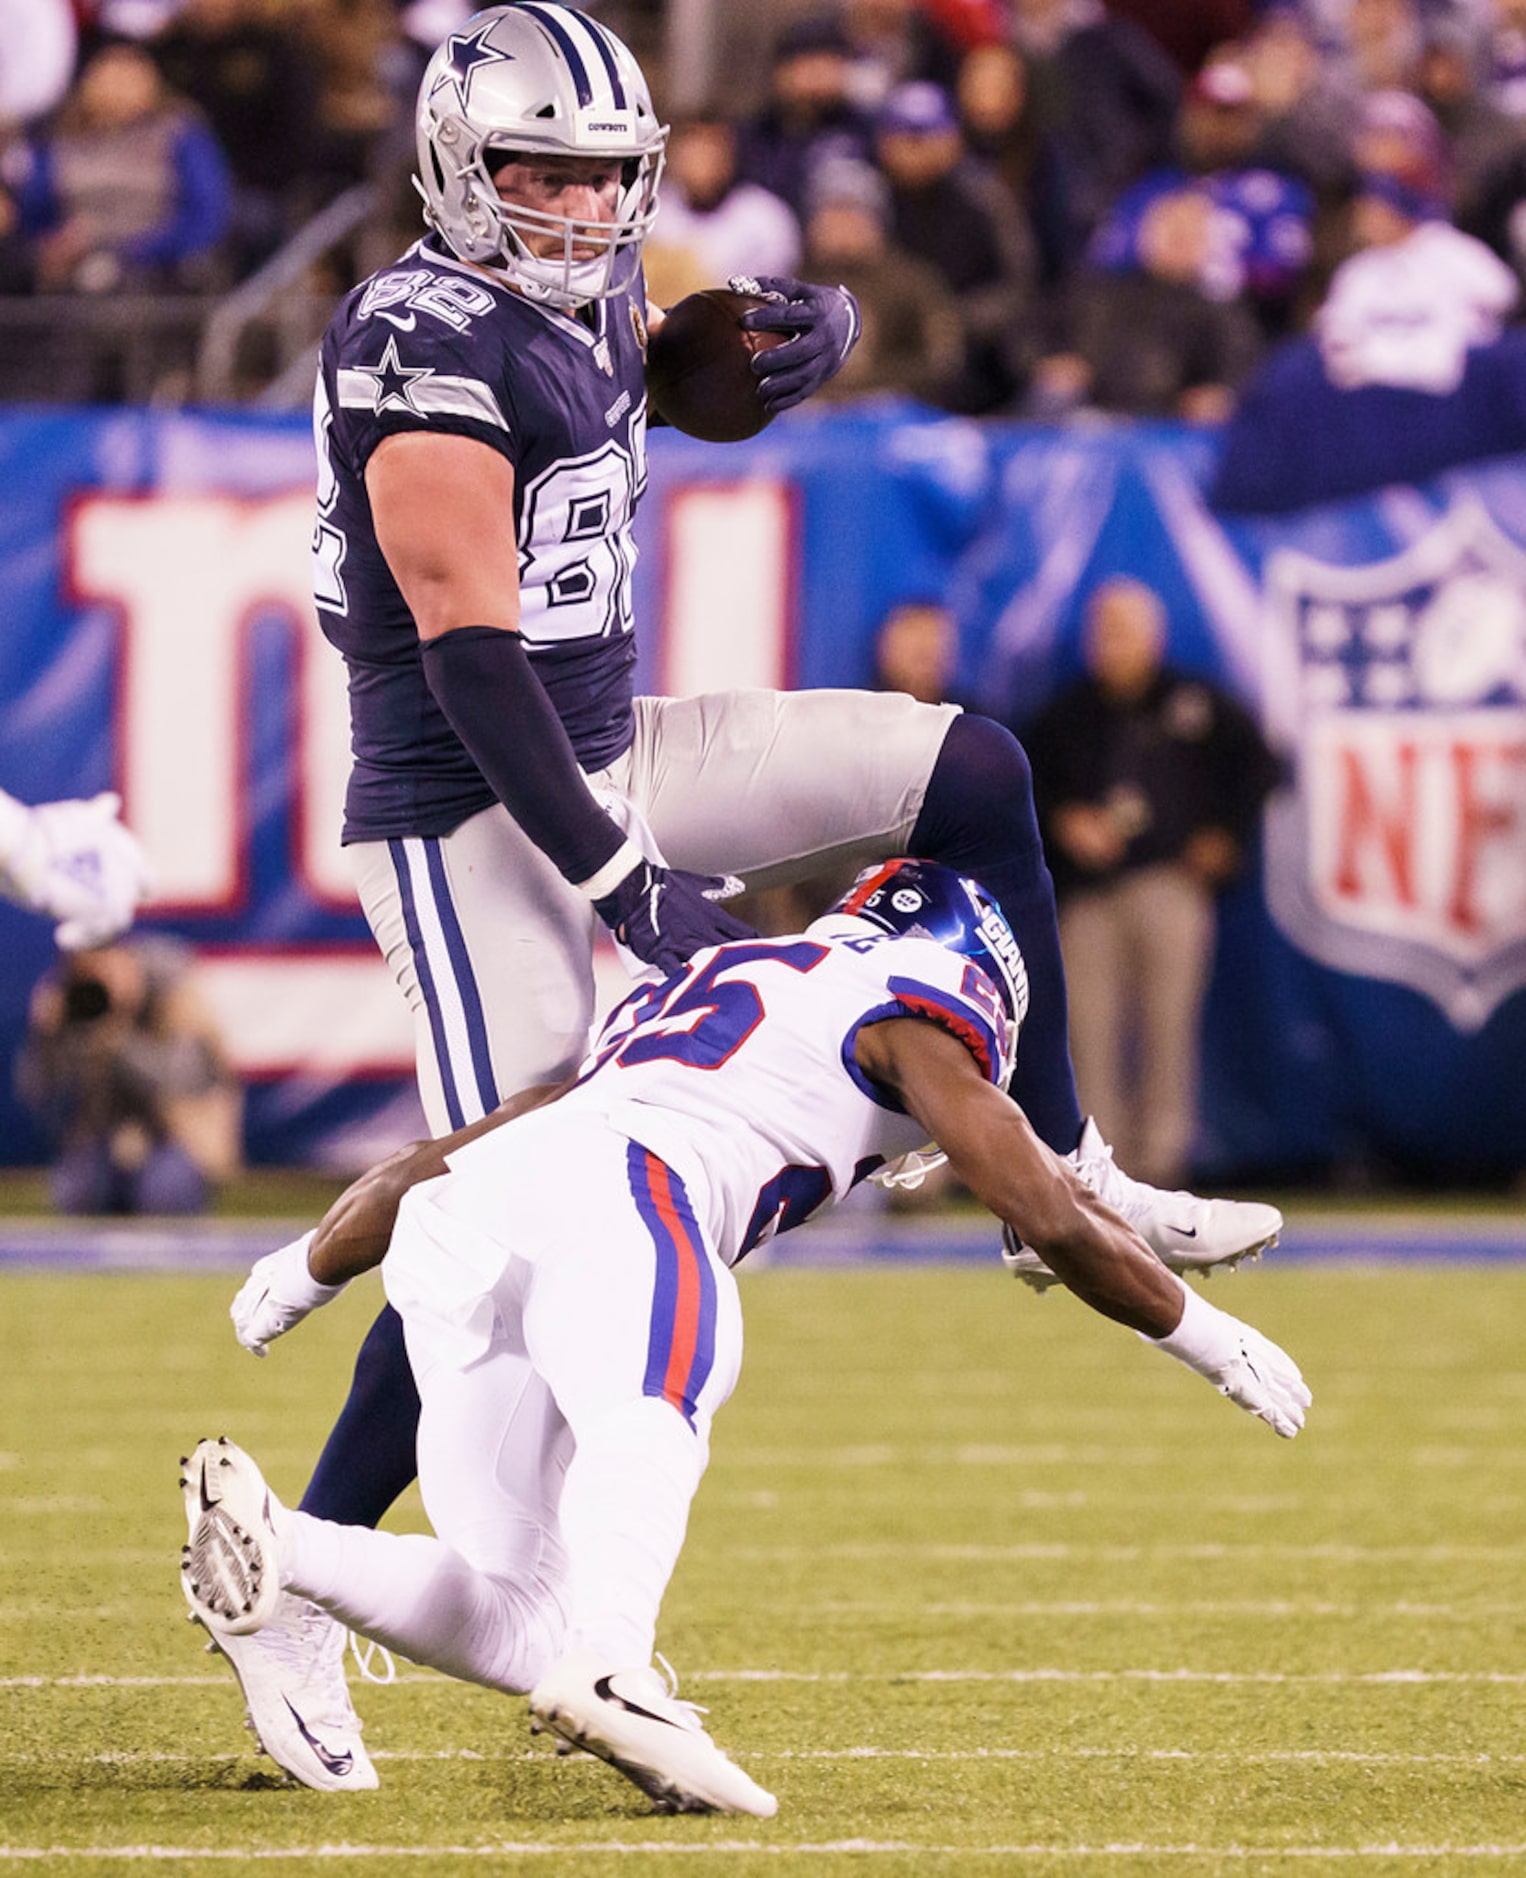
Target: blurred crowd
<point>1044,206</point>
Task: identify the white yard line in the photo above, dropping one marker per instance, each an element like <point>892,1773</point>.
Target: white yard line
<point>1183,1675</point>
<point>1320,1757</point>
<point>504,1849</point>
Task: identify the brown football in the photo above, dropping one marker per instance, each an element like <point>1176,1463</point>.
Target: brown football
<point>699,367</point>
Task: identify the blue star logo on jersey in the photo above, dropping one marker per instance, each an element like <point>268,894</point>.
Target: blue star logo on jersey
<point>394,382</point>
<point>464,52</point>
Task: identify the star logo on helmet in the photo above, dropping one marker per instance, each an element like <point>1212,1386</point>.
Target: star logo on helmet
<point>394,382</point>
<point>464,52</point>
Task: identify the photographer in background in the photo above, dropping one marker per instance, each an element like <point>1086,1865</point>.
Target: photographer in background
<point>124,1064</point>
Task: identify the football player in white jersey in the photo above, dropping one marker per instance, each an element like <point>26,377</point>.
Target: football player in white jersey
<point>573,1323</point>
<point>480,419</point>
<point>74,862</point>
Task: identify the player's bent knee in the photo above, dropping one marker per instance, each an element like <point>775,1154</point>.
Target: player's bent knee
<point>981,790</point>
<point>532,1628</point>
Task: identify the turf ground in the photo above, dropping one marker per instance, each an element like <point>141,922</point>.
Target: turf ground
<point>976,1583</point>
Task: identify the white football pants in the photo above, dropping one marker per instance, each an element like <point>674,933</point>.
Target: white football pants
<point>493,950</point>
<point>572,1336</point>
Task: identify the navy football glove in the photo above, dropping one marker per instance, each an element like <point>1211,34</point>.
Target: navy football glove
<point>824,323</point>
<point>665,915</point>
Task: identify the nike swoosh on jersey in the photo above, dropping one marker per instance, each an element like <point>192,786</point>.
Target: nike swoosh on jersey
<point>404,323</point>
<point>603,1690</point>
<point>337,1764</point>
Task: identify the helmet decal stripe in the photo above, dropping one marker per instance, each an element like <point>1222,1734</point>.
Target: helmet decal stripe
<point>871,883</point>
<point>546,18</point>
<point>600,38</point>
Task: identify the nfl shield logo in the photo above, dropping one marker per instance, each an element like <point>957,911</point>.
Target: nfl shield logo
<point>1400,685</point>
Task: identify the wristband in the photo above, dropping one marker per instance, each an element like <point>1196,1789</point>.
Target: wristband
<point>298,1283</point>
<point>1201,1340</point>
<point>614,870</point>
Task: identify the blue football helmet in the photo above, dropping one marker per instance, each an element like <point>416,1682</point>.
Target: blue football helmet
<point>925,900</point>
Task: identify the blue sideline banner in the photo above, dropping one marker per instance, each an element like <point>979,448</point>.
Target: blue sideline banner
<point>1367,1002</point>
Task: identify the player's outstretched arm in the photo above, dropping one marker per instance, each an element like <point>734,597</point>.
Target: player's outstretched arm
<point>289,1284</point>
<point>992,1148</point>
<point>75,862</point>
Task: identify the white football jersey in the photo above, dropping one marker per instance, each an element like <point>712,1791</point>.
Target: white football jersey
<point>740,1072</point>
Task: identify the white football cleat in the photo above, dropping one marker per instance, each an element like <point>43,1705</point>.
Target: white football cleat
<point>287,1654</point>
<point>230,1566</point>
<point>298,1702</point>
<point>1185,1233</point>
<point>630,1719</point>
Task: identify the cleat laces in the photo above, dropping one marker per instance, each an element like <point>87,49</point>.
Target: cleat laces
<point>366,1650</point>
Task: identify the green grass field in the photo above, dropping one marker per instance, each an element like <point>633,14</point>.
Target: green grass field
<point>976,1583</point>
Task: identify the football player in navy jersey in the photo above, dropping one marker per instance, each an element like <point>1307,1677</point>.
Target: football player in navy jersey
<point>572,1318</point>
<point>480,419</point>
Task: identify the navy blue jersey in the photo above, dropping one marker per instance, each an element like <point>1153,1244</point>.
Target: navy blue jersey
<point>430,344</point>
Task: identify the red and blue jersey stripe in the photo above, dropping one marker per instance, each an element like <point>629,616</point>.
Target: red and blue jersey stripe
<point>681,1342</point>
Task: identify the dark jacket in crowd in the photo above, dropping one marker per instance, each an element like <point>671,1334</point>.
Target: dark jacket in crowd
<point>1148,340</point>
<point>1182,757</point>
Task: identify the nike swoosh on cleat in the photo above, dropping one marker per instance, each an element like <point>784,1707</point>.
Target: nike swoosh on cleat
<point>206,1504</point>
<point>1185,1232</point>
<point>337,1764</point>
<point>605,1693</point>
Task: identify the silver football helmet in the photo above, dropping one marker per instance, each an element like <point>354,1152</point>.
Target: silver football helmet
<point>543,79</point>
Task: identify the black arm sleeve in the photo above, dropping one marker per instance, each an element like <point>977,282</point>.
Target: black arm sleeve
<point>483,681</point>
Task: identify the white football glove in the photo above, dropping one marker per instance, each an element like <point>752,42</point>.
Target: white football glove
<point>75,862</point>
<point>278,1293</point>
<point>1240,1363</point>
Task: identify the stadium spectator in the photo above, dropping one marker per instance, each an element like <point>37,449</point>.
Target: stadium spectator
<point>1418,295</point>
<point>1146,340</point>
<point>809,115</point>
<point>1482,140</point>
<point>952,212</point>
<point>1260,232</point>
<point>1303,103</point>
<point>124,1065</point>
<point>916,650</point>
<point>895,41</point>
<point>1150,782</point>
<point>1382,43</point>
<point>364,71</point>
<point>711,222</point>
<point>999,118</point>
<point>1396,135</point>
<point>1112,88</point>
<point>251,74</point>
<point>912,339</point>
<point>1505,58</point>
<point>128,189</point>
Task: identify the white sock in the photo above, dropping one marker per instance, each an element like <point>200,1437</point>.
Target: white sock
<point>624,1512</point>
<point>421,1599</point>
